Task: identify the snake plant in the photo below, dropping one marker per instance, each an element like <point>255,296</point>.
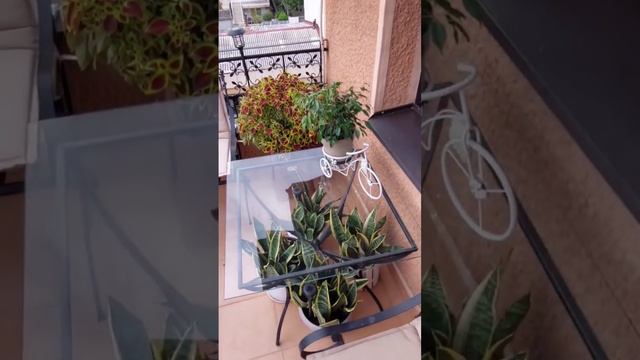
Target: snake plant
<point>358,238</point>
<point>278,254</point>
<point>476,334</point>
<point>334,298</point>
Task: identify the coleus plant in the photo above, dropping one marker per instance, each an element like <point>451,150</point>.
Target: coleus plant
<point>159,45</point>
<point>268,118</point>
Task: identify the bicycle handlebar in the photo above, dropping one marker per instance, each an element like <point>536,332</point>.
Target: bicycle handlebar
<point>365,147</point>
<point>463,68</point>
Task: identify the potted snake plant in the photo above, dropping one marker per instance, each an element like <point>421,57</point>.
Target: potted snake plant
<point>333,116</point>
<point>326,302</point>
<point>360,238</point>
<point>279,254</point>
<point>477,333</point>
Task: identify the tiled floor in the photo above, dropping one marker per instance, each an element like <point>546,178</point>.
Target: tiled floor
<point>11,248</point>
<point>248,324</point>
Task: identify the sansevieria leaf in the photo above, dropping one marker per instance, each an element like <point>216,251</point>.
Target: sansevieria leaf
<point>376,243</point>
<point>445,353</point>
<point>512,318</point>
<point>308,254</point>
<point>434,307</point>
<point>477,320</point>
<point>274,246</point>
<point>369,226</point>
<point>354,224</point>
<point>497,348</point>
<point>337,229</point>
<point>322,300</point>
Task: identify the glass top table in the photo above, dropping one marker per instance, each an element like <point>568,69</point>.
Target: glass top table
<point>121,247</point>
<point>263,197</point>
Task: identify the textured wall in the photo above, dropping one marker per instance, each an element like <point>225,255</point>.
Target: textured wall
<point>591,236</point>
<point>352,31</point>
<point>403,71</point>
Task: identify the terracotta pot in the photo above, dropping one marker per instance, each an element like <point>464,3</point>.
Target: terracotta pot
<point>310,323</point>
<point>339,149</point>
<point>278,295</point>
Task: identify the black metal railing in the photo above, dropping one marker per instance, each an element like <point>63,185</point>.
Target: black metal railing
<point>235,79</point>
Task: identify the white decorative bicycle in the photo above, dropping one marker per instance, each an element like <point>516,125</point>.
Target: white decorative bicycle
<point>464,152</point>
<point>357,161</point>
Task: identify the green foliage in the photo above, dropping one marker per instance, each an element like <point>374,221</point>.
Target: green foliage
<point>268,118</point>
<point>257,19</point>
<point>335,298</point>
<point>282,16</point>
<point>357,237</point>
<point>309,215</point>
<point>267,16</point>
<point>437,13</point>
<point>476,334</point>
<point>159,45</point>
<point>333,115</point>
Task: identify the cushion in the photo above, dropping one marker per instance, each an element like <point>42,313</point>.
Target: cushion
<point>18,14</point>
<point>25,37</point>
<point>18,101</point>
<point>398,343</point>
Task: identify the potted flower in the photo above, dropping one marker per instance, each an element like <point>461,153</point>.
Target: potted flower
<point>326,302</point>
<point>268,118</point>
<point>160,46</point>
<point>358,238</point>
<point>333,116</point>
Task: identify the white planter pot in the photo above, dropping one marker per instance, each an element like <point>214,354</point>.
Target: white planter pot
<point>278,295</point>
<point>372,274</point>
<point>339,149</point>
<point>310,324</point>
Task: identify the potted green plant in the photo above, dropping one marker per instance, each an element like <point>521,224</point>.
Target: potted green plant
<point>268,119</point>
<point>329,302</point>
<point>278,254</point>
<point>333,116</point>
<point>476,333</point>
<point>161,46</point>
<point>360,238</point>
<point>282,16</point>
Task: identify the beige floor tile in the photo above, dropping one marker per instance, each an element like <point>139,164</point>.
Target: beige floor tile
<point>247,329</point>
<point>291,354</point>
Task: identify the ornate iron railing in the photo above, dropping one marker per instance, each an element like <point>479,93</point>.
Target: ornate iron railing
<point>235,79</point>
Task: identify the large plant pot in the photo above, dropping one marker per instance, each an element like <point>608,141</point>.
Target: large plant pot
<point>372,274</point>
<point>310,324</point>
<point>339,149</point>
<point>278,295</point>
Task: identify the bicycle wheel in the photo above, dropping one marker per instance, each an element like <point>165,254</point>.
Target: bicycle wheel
<point>490,190</point>
<point>370,182</point>
<point>326,167</point>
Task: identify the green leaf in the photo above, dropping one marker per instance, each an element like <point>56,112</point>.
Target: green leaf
<point>435,310</point>
<point>369,226</point>
<point>474,9</point>
<point>477,320</point>
<point>308,254</point>
<point>274,246</point>
<point>354,224</point>
<point>289,253</point>
<point>497,349</point>
<point>376,243</point>
<point>337,229</point>
<point>186,348</point>
<point>438,34</point>
<point>512,318</point>
<point>322,300</point>
<point>445,353</point>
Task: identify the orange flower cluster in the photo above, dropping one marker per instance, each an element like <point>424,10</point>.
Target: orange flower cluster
<point>269,119</point>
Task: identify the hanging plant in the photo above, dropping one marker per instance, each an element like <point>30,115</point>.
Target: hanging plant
<point>159,45</point>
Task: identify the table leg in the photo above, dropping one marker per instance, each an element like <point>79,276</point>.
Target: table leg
<point>375,298</point>
<point>284,312</point>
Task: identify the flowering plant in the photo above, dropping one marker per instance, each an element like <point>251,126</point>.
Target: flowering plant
<point>158,45</point>
<point>268,118</point>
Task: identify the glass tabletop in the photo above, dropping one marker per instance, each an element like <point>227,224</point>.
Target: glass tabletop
<point>286,220</point>
<point>121,248</point>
